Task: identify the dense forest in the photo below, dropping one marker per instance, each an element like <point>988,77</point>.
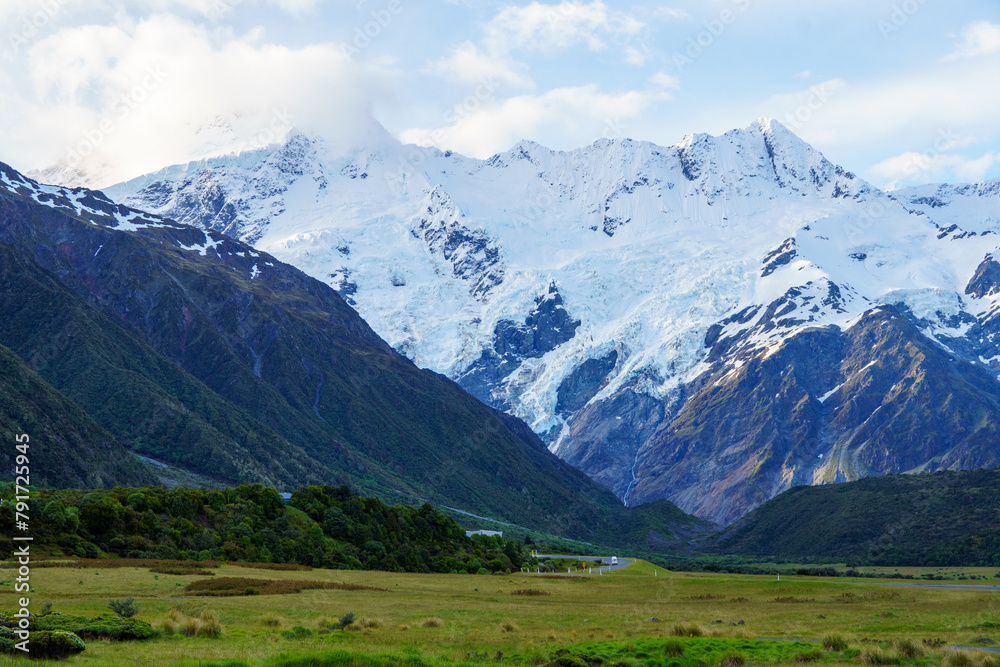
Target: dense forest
<point>322,526</point>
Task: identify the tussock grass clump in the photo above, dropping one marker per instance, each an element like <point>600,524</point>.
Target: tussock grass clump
<point>810,656</point>
<point>834,643</point>
<point>673,648</point>
<point>205,624</point>
<point>739,599</point>
<point>687,630</point>
<point>907,649</point>
<point>270,622</point>
<point>970,659</point>
<point>874,656</point>
<point>794,600</point>
<point>733,659</point>
<point>530,591</point>
<point>432,622</point>
<point>509,626</point>
<point>404,627</point>
<point>230,586</point>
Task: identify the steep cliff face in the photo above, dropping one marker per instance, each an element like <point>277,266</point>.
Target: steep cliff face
<point>596,293</point>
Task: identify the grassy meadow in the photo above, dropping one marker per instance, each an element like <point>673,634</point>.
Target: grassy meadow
<point>522,619</point>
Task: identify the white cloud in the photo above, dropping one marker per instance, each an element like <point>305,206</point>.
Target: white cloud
<point>563,117</point>
<point>978,38</point>
<point>914,167</point>
<point>670,13</point>
<point>469,65</point>
<point>135,95</point>
<point>664,80</point>
<point>551,28</point>
<point>804,74</point>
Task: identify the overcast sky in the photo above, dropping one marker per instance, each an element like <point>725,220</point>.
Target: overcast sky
<point>898,91</point>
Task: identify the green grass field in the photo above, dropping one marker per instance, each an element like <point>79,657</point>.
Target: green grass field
<point>438,619</point>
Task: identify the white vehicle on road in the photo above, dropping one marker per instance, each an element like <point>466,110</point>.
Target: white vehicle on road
<point>614,560</point>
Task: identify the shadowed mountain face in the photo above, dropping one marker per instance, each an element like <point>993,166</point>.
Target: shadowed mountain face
<point>197,350</point>
<point>632,302</point>
<point>70,449</point>
<point>939,519</point>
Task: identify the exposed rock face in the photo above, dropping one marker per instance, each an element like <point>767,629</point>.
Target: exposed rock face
<point>827,406</point>
<point>546,327</point>
<point>986,281</point>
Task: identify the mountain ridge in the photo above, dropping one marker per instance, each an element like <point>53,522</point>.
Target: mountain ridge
<point>681,263</point>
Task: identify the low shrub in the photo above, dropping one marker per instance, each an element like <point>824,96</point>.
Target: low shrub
<point>126,607</point>
<point>270,622</point>
<point>432,622</point>
<point>530,591</point>
<point>345,620</point>
<point>182,571</point>
<point>508,626</point>
<point>117,628</point>
<point>55,644</point>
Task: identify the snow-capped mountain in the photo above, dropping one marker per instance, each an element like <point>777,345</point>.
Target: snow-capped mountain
<point>621,296</point>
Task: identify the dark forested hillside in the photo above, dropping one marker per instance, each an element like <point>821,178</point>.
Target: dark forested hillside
<point>71,447</point>
<point>943,518</point>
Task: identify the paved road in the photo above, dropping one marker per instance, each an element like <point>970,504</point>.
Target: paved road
<point>622,562</point>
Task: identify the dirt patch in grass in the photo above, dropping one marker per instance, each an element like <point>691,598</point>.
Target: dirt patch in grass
<point>231,586</point>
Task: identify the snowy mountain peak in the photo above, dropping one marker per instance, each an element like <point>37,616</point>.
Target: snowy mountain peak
<point>574,288</point>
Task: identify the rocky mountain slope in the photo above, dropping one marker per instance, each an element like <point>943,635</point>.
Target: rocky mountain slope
<point>196,350</point>
<point>657,313</point>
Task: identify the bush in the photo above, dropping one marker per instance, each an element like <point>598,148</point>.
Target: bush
<point>118,629</point>
<point>55,644</point>
<point>673,648</point>
<point>126,608</point>
<point>345,620</point>
<point>834,643</point>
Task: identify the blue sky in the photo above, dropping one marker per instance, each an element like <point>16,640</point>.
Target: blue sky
<point>900,91</point>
